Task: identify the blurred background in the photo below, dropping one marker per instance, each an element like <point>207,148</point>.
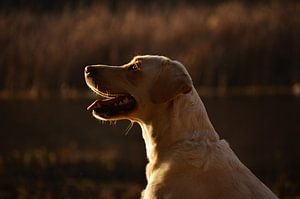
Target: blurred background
<point>243,57</point>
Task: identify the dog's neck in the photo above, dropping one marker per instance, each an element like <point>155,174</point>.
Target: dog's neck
<point>182,119</point>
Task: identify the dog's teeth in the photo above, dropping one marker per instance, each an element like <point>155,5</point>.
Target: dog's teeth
<point>126,100</point>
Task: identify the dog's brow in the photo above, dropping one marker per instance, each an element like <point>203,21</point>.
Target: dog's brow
<point>137,59</point>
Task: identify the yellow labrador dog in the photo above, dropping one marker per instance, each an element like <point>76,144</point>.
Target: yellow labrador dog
<point>186,157</point>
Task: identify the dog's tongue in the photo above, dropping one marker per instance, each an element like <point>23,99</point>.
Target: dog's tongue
<point>94,105</point>
<point>98,103</point>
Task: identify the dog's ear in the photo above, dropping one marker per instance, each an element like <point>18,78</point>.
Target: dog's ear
<point>173,80</point>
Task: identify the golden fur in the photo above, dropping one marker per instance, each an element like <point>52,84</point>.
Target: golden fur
<point>186,157</point>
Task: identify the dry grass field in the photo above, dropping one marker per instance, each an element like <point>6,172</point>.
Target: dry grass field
<point>224,45</point>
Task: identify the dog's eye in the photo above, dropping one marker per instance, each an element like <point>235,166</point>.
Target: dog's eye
<point>135,66</point>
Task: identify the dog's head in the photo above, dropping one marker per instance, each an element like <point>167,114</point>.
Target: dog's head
<point>134,90</point>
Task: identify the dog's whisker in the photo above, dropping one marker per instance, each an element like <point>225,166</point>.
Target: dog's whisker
<point>113,122</point>
<point>129,128</point>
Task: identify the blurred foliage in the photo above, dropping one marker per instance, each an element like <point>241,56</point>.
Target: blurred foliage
<point>67,173</point>
<point>223,45</point>
<point>58,5</point>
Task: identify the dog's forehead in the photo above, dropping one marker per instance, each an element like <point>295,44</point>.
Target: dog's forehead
<point>150,59</point>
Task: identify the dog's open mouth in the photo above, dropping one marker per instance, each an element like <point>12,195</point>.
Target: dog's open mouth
<point>113,106</point>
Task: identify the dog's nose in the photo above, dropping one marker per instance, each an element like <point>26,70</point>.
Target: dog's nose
<point>90,70</point>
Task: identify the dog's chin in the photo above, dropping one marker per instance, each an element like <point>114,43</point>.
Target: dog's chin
<point>111,118</point>
<point>113,107</point>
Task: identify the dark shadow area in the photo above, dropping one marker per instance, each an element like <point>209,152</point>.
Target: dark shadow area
<point>57,148</point>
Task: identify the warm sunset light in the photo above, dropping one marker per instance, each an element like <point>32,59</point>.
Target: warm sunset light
<point>242,58</point>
